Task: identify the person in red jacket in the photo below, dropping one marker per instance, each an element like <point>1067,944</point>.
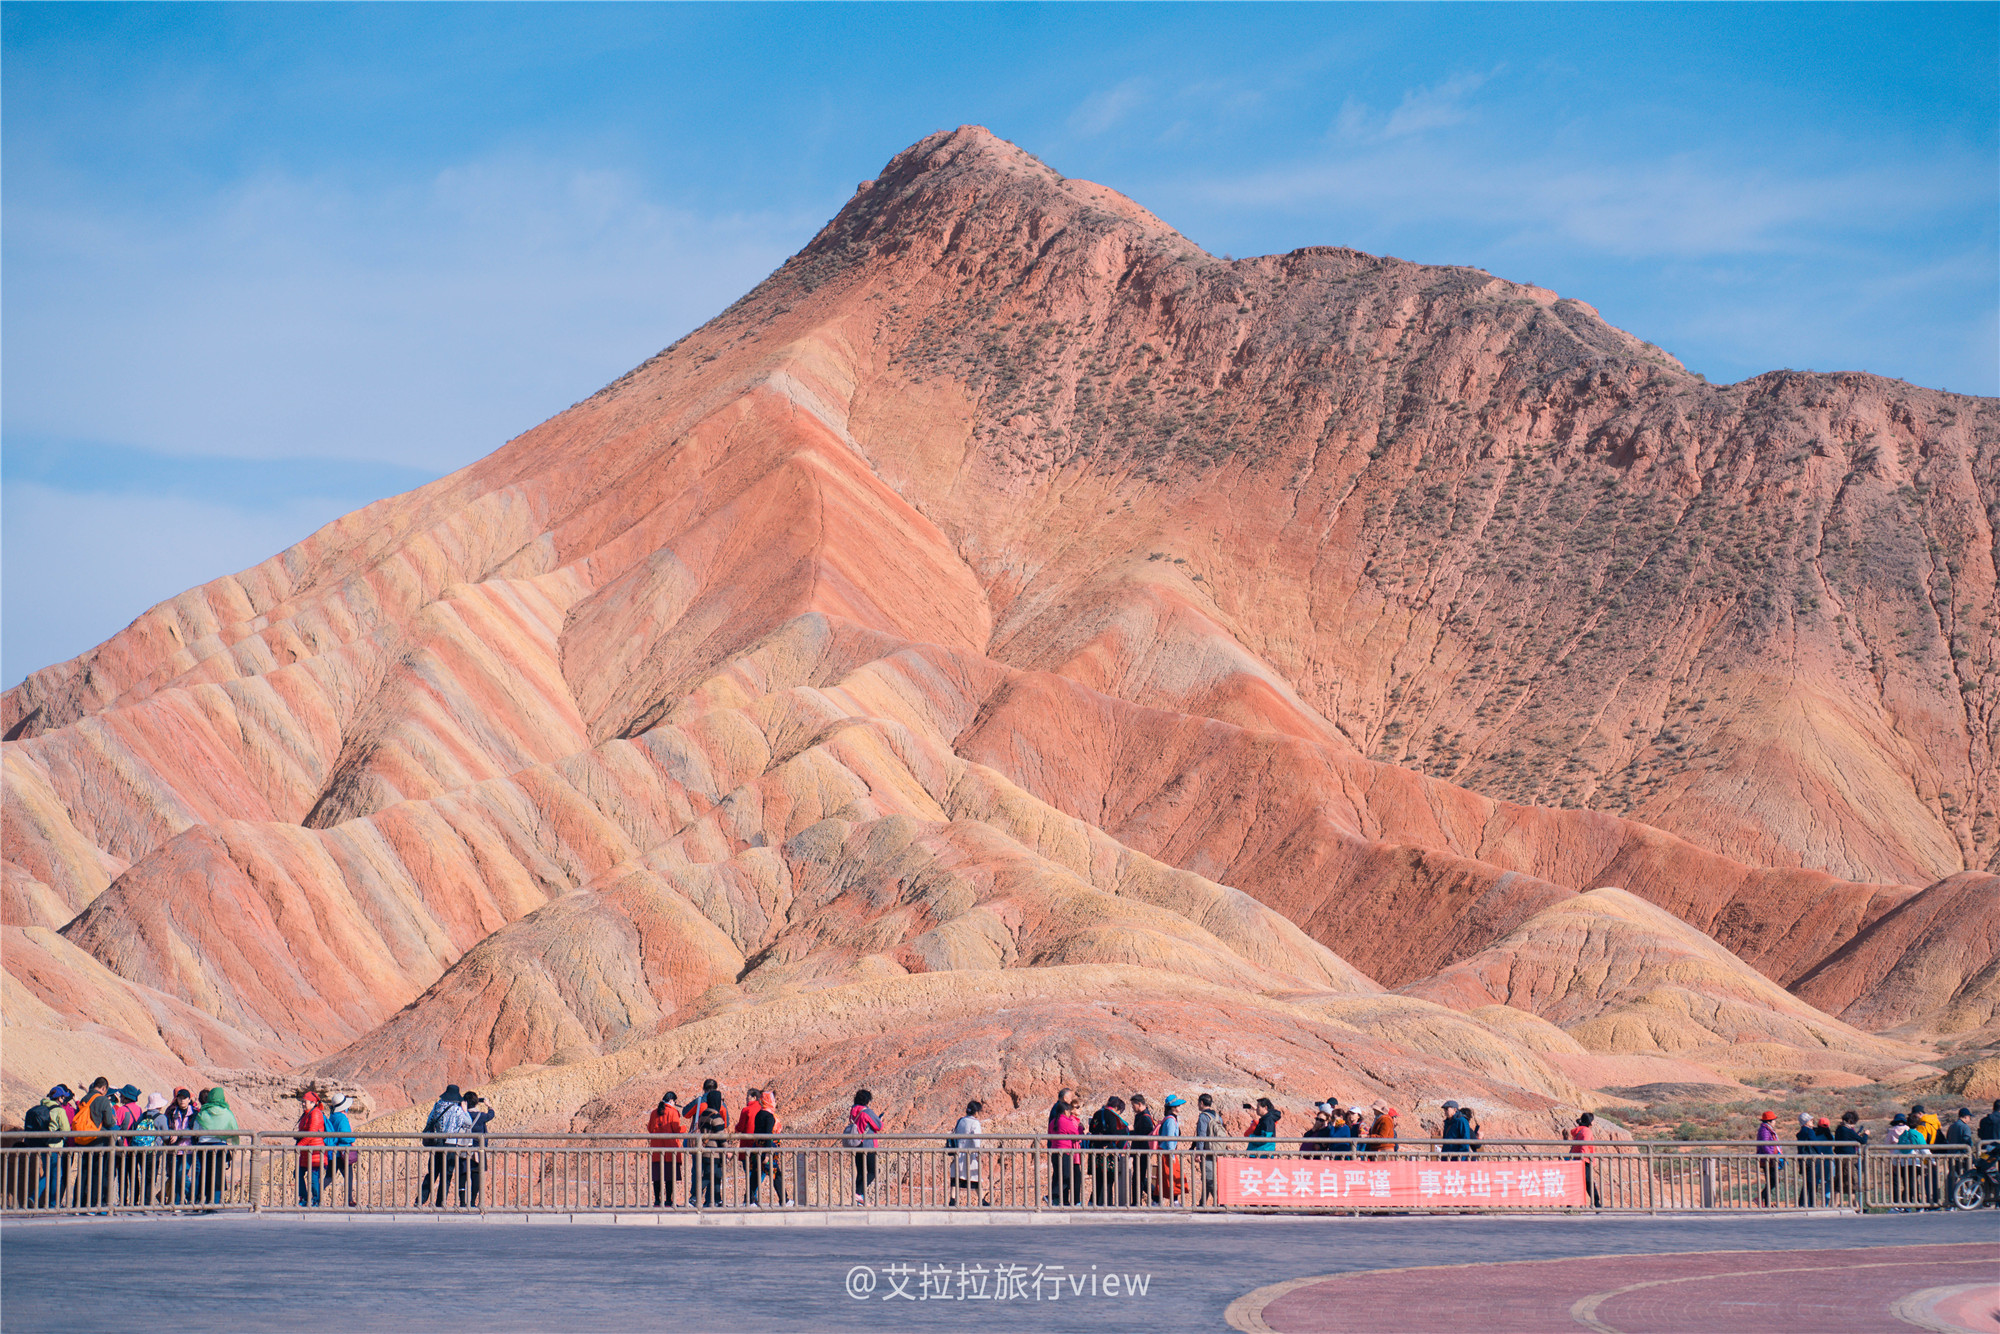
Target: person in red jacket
<point>1581,1135</point>
<point>312,1148</point>
<point>666,1128</point>
<point>764,1128</point>
<point>746,1121</point>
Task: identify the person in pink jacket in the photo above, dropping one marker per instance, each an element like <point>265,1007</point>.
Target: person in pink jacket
<point>1065,1158</point>
<point>862,1128</point>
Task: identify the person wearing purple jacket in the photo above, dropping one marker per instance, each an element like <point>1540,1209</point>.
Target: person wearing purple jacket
<point>1769,1154</point>
<point>180,1172</point>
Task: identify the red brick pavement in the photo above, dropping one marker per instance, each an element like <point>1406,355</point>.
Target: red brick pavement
<point>1709,1292</point>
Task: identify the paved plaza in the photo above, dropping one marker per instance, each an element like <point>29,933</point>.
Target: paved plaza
<point>1462,1274</point>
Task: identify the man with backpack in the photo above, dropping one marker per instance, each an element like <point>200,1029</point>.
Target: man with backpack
<point>340,1143</point>
<point>144,1168</point>
<point>444,1130</point>
<point>711,1125</point>
<point>1108,1144</point>
<point>96,1112</point>
<point>51,1114</point>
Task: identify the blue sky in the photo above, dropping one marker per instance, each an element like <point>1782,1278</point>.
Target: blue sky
<point>266,263</point>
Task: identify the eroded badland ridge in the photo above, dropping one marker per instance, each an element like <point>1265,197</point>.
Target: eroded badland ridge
<point>1012,646</point>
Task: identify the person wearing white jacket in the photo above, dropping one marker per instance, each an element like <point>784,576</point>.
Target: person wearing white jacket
<point>965,1144</point>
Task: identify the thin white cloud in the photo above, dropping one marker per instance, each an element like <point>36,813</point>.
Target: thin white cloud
<point>1434,107</point>
<point>1104,109</point>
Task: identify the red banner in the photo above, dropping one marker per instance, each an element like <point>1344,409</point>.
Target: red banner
<point>1351,1183</point>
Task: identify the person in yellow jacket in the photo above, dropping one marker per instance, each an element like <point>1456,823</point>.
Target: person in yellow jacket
<point>1926,1123</point>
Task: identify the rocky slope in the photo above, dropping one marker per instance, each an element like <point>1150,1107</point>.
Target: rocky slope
<point>1008,609</point>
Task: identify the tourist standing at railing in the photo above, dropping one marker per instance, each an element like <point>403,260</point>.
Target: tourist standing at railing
<point>1807,1140</point>
<point>1989,1124</point>
<point>1962,1135</point>
<point>48,1176</point>
<point>1342,1130</point>
<point>964,1145</point>
<point>1848,1140</point>
<point>1066,1158</point>
<point>481,1114</point>
<point>1264,1130</point>
<point>444,1131</point>
<point>182,1176</point>
<point>763,1159</point>
<point>142,1170</point>
<point>95,1112</point>
<point>1581,1134</point>
<point>340,1143</point>
<point>665,1126</point>
<point>745,1119</point>
<point>1382,1136</point>
<point>312,1148</point>
<point>1107,1146</point>
<point>711,1127</point>
<point>1926,1123</point>
<point>1173,1168</point>
<point>1144,1127</point>
<point>863,1125</point>
<point>1457,1133</point>
<point>1317,1142</point>
<point>1208,1131</point>
<point>1769,1155</point>
<point>125,1111</point>
<point>213,1124</point>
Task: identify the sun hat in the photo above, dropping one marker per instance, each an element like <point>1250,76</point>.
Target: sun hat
<point>342,1103</point>
<point>130,1093</point>
<point>1768,1116</point>
<point>1175,1100</point>
<point>156,1102</point>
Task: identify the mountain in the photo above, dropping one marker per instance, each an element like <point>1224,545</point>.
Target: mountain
<point>1011,646</point>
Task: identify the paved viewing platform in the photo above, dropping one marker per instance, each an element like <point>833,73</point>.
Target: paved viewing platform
<point>909,1269</point>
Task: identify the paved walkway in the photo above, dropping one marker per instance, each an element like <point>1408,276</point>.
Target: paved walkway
<point>1848,1291</point>
<point>225,1274</point>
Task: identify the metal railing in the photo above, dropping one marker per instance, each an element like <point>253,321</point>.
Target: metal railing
<point>270,1172</point>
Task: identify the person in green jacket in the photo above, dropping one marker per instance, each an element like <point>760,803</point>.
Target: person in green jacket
<point>210,1123</point>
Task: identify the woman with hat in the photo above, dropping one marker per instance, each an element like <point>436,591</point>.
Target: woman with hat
<point>1173,1172</point>
<point>1769,1154</point>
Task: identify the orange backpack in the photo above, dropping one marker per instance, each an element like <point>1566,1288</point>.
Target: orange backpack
<point>92,1114</point>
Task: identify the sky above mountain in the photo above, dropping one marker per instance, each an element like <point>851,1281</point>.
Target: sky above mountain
<point>265,264</point>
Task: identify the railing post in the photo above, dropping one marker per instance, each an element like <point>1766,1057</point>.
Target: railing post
<point>256,1197</point>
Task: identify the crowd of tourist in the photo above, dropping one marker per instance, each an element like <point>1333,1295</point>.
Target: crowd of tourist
<point>196,1127</point>
<point>1125,1151</point>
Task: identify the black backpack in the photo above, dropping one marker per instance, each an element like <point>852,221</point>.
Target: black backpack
<point>432,1141</point>
<point>38,1118</point>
